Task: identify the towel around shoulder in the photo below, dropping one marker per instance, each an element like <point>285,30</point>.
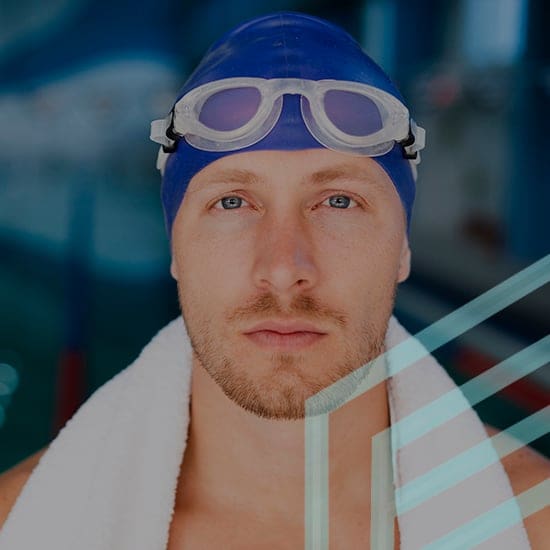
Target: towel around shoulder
<point>108,480</point>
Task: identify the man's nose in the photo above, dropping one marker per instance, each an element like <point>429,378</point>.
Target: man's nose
<point>285,256</point>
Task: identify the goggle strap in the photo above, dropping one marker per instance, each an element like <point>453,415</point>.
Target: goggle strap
<point>162,132</point>
<point>162,157</point>
<point>414,142</point>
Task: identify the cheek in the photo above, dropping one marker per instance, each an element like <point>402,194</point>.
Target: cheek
<point>363,265</point>
<point>211,266</point>
<point>370,241</point>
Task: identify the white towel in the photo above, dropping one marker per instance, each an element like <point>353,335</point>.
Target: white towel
<point>108,480</point>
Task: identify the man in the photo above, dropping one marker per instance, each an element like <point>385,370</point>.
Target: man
<point>288,203</point>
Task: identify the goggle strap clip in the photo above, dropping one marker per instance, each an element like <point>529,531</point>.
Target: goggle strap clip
<point>414,142</point>
<point>162,132</point>
<point>171,135</point>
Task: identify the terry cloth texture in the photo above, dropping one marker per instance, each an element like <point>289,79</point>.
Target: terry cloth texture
<point>109,478</point>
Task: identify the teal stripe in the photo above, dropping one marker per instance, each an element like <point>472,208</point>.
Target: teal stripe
<point>398,358</point>
<point>382,494</point>
<point>494,521</point>
<point>470,462</point>
<point>453,403</point>
<point>441,332</point>
<point>468,316</point>
<point>316,480</point>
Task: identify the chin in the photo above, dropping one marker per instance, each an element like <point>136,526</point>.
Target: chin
<point>286,392</point>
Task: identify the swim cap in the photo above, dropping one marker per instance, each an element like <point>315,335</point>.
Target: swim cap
<point>283,45</point>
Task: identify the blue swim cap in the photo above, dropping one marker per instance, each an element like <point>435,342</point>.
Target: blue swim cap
<point>277,46</point>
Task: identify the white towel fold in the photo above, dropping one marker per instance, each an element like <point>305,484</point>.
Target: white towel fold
<point>109,478</point>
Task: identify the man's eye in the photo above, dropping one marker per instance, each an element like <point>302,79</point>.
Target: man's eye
<point>230,203</point>
<point>340,201</point>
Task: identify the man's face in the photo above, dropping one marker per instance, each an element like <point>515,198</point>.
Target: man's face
<point>313,236</point>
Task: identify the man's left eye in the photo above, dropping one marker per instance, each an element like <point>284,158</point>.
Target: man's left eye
<point>340,201</point>
<point>230,202</point>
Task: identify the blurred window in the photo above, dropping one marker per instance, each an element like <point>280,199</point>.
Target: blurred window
<point>494,31</point>
<point>379,24</point>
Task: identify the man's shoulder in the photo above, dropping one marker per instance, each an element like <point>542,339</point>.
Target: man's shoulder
<point>13,480</point>
<point>526,468</point>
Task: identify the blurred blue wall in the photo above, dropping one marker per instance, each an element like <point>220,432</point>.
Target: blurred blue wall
<point>84,279</point>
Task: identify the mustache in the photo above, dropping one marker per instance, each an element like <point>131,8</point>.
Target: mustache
<point>303,306</point>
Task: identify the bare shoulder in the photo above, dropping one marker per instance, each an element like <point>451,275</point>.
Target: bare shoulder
<point>527,468</point>
<point>13,480</point>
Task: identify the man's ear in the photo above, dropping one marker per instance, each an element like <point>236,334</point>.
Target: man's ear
<point>173,269</point>
<point>404,261</point>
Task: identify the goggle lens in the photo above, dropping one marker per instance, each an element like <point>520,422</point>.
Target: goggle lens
<point>352,113</point>
<point>230,109</point>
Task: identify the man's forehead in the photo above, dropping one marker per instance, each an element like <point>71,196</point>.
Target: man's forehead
<point>314,169</point>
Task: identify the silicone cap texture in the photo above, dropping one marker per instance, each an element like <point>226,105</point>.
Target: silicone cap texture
<point>276,46</point>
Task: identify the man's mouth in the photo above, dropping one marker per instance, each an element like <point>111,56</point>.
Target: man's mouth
<point>288,340</point>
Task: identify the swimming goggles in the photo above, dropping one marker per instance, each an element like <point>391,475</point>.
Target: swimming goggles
<point>234,113</point>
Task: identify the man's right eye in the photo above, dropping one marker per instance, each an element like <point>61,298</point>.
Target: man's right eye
<point>230,203</point>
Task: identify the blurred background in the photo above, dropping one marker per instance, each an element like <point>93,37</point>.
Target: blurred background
<point>84,259</point>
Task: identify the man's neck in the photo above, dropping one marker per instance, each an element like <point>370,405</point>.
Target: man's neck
<point>237,462</point>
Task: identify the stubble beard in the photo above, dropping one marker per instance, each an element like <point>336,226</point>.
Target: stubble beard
<point>282,393</point>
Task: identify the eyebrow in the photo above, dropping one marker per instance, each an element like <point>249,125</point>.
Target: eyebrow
<point>321,177</point>
<point>233,175</point>
<point>344,172</point>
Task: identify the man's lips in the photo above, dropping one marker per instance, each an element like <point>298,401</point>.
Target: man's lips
<point>289,335</point>
<point>285,327</point>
